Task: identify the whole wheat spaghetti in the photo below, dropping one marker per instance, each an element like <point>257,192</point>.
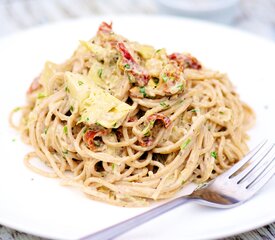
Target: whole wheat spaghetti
<point>127,123</point>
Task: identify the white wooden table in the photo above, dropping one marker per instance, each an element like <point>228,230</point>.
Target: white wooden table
<point>256,16</point>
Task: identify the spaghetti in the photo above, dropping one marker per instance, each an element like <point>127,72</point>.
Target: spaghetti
<point>127,124</point>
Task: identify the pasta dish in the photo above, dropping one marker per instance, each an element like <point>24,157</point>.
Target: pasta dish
<point>128,124</point>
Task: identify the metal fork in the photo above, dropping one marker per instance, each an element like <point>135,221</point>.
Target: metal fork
<point>228,190</point>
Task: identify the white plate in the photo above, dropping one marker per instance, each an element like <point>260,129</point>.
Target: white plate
<point>38,205</point>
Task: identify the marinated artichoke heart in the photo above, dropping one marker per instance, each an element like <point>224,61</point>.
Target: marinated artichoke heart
<point>96,106</point>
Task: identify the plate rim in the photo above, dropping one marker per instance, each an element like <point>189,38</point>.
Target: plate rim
<point>47,27</point>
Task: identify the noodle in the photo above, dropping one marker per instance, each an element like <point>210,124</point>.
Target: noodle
<point>127,124</point>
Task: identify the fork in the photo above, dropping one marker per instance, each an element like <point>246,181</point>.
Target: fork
<point>232,188</point>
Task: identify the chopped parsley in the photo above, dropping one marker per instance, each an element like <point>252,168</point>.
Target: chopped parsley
<point>114,125</point>
<point>13,139</point>
<point>80,83</point>
<point>131,80</point>
<point>113,166</point>
<point>16,109</point>
<point>99,72</point>
<point>180,86</point>
<point>214,155</point>
<point>65,152</point>
<point>163,104</point>
<point>221,112</point>
<point>157,51</point>
<point>185,144</point>
<point>87,119</point>
<point>146,131</point>
<point>97,143</point>
<point>97,123</point>
<point>194,110</point>
<point>41,95</point>
<point>65,129</point>
<point>46,130</point>
<point>67,89</point>
<point>142,90</point>
<point>71,109</point>
<point>164,77</point>
<point>147,134</point>
<point>127,66</point>
<point>85,130</point>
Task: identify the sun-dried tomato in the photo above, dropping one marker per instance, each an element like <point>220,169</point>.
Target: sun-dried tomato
<point>105,27</point>
<point>131,66</point>
<point>159,116</point>
<point>146,141</point>
<point>185,60</point>
<point>90,135</point>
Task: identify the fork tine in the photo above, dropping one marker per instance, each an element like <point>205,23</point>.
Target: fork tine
<point>256,164</point>
<point>248,157</point>
<point>262,178</point>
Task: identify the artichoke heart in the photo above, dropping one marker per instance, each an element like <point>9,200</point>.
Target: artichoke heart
<point>96,106</point>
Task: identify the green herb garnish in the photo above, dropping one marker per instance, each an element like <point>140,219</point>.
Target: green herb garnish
<point>46,130</point>
<point>180,86</point>
<point>163,104</point>
<point>164,77</point>
<point>16,109</point>
<point>71,109</point>
<point>97,123</point>
<point>147,134</point>
<point>41,95</point>
<point>130,78</point>
<point>80,83</point>
<point>97,143</point>
<point>85,130</point>
<point>194,110</point>
<point>65,129</point>
<point>214,155</point>
<point>152,123</point>
<point>99,72</point>
<point>184,145</point>
<point>127,66</point>
<point>65,152</point>
<point>142,90</point>
<point>113,166</point>
<point>67,89</point>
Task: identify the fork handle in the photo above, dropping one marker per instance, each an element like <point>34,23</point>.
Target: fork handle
<point>122,227</point>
